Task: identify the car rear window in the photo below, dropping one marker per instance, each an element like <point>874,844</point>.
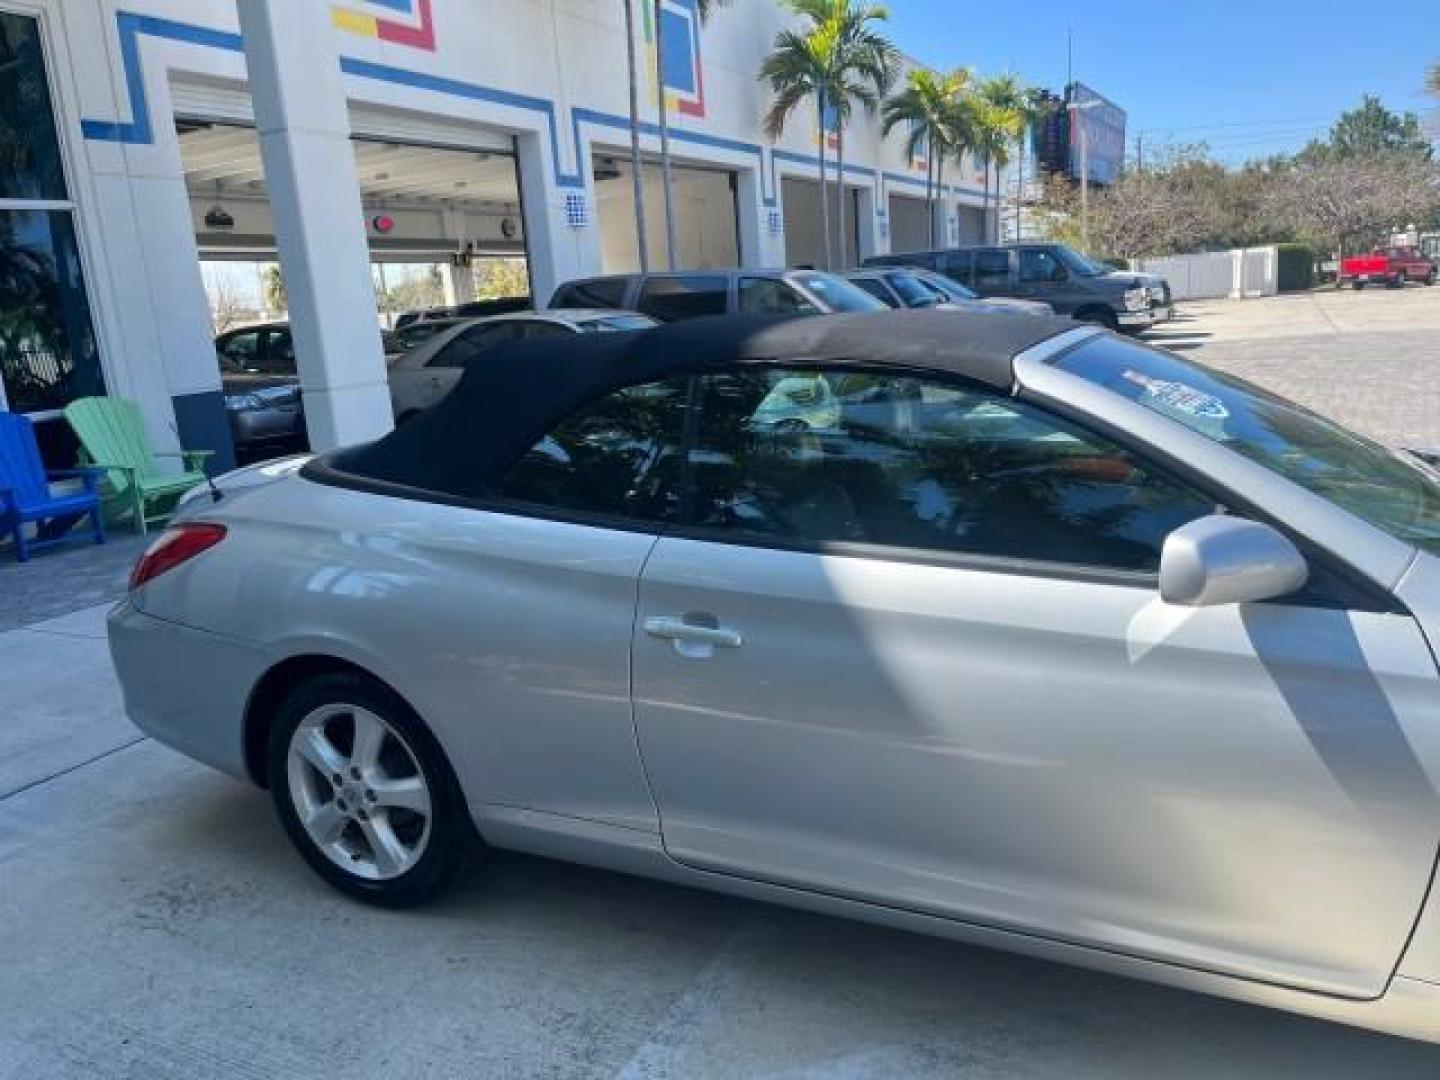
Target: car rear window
<point>598,293</point>
<point>687,296</point>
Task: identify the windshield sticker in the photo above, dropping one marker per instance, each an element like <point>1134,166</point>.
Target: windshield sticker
<point>1179,397</point>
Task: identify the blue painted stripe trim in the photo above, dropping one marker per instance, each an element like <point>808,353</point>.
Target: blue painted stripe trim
<point>129,27</point>
<point>139,129</point>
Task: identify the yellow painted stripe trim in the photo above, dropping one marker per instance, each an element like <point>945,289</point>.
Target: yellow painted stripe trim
<point>354,22</point>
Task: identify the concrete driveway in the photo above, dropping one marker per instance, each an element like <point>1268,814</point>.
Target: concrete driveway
<point>154,923</point>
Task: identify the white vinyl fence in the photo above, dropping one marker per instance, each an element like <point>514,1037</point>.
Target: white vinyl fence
<point>1211,275</point>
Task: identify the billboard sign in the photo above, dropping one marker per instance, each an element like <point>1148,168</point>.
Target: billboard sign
<point>1100,123</point>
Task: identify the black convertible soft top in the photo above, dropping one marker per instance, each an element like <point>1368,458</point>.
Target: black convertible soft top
<point>510,396</point>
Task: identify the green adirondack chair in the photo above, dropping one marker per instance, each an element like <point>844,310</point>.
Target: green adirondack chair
<point>112,435</point>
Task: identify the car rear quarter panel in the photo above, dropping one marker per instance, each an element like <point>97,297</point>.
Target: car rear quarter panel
<point>508,635</point>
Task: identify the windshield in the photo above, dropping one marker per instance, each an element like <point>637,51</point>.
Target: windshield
<point>913,290</point>
<point>835,293</point>
<point>1391,491</point>
<point>615,322</point>
<point>1078,264</point>
<point>949,286</point>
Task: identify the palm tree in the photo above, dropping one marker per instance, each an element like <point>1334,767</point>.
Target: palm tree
<point>840,61</point>
<point>998,121</point>
<point>636,174</point>
<point>703,10</point>
<point>932,105</point>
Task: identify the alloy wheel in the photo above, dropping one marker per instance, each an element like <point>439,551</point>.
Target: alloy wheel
<point>359,792</point>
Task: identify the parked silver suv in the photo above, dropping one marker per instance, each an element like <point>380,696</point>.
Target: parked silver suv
<point>670,297</point>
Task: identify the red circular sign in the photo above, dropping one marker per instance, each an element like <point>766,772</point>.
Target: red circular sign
<point>382,223</point>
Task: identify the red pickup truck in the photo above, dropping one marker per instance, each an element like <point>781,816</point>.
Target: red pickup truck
<point>1392,265</point>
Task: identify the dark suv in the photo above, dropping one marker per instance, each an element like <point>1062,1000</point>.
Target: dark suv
<point>689,294</point>
<point>1070,283</point>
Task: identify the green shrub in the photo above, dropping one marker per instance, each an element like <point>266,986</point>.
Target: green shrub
<point>1296,267</point>
<point>1117,263</point>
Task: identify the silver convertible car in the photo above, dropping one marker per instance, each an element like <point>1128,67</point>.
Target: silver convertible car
<point>982,625</point>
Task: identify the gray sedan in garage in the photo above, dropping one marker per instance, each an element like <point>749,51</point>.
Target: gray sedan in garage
<point>985,626</point>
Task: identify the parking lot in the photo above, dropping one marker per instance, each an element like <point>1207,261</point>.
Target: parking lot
<point>154,922</point>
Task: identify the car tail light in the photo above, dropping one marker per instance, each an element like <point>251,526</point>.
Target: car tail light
<point>177,544</point>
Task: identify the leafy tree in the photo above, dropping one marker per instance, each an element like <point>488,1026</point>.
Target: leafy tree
<point>837,60</point>
<point>1345,204</point>
<point>1432,79</point>
<point>1369,131</point>
<point>504,277</point>
<point>272,281</point>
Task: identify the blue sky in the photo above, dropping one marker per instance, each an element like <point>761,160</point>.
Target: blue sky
<point>1249,78</point>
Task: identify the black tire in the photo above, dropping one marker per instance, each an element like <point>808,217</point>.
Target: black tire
<point>1357,285</point>
<point>451,833</point>
<point>1430,278</point>
<point>1098,316</point>
<point>1398,281</point>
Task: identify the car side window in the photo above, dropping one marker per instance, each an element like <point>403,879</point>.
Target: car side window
<point>620,455</point>
<point>471,343</point>
<point>279,353</point>
<point>958,265</point>
<point>684,296</point>
<point>240,352</point>
<point>830,457</point>
<point>767,296</point>
<point>1037,265</point>
<point>875,289</point>
<point>992,268</point>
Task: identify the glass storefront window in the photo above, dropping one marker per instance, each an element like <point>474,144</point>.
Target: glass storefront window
<point>47,346</point>
<point>30,166</point>
<point>48,354</point>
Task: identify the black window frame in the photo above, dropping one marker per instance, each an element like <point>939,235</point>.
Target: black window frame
<point>1334,586</point>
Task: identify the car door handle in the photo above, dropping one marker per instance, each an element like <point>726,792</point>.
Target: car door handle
<point>689,629</point>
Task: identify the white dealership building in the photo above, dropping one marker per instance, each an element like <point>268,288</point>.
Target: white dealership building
<point>151,142</point>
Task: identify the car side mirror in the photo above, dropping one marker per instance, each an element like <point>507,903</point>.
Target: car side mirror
<point>1227,560</point>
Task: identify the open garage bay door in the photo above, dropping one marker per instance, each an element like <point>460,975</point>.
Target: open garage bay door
<point>803,242</point>
<point>443,223</point>
<point>706,215</point>
<point>909,225</point>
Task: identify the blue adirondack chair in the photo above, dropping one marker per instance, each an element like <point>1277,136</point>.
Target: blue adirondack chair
<point>26,497</point>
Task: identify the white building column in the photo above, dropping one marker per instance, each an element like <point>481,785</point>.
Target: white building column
<point>874,222</point>
<point>458,283</point>
<point>562,235</point>
<point>304,136</point>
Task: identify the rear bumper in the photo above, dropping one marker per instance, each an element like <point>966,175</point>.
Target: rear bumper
<point>1136,318</point>
<point>185,687</point>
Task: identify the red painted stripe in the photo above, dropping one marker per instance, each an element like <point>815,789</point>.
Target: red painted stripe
<point>417,37</point>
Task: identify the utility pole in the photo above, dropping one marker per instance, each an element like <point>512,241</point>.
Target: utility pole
<point>1075,125</point>
<point>1140,151</point>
